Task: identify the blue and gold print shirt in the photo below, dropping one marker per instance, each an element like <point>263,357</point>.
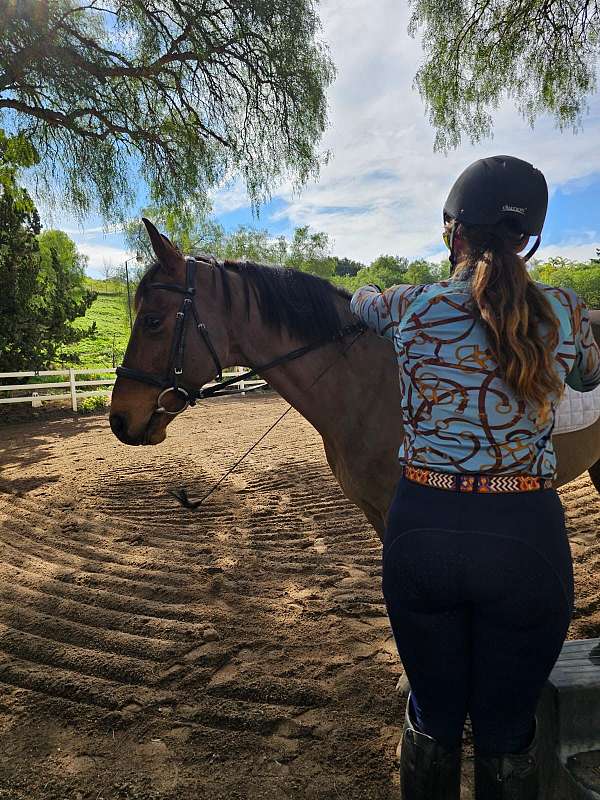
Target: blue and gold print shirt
<point>458,413</point>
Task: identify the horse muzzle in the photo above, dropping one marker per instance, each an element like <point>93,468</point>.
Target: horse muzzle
<point>153,433</point>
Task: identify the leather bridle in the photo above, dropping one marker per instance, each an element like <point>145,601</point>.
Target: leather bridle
<point>170,383</point>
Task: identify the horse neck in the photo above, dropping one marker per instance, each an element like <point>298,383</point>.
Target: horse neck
<point>331,386</point>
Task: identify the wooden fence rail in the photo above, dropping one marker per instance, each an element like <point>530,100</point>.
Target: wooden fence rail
<point>73,385</point>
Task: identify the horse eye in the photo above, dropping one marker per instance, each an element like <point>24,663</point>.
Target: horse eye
<point>152,322</point>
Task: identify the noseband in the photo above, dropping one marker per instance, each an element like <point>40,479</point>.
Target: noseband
<point>170,383</point>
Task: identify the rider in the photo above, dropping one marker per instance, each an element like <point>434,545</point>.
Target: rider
<point>477,569</point>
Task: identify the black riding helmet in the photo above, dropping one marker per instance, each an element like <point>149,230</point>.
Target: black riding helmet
<point>500,188</point>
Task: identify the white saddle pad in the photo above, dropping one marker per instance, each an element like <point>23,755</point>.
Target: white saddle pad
<point>577,410</point>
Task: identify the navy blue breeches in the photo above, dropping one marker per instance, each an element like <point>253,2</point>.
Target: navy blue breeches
<point>479,592</point>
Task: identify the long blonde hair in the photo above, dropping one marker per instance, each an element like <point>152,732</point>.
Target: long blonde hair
<point>514,311</point>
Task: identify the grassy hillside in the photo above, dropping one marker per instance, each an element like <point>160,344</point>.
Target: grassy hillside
<point>109,312</point>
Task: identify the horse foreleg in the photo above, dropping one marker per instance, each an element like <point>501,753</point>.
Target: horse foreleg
<point>344,479</point>
<point>594,473</point>
<point>373,515</point>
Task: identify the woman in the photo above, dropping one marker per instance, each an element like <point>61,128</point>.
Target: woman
<point>477,569</point>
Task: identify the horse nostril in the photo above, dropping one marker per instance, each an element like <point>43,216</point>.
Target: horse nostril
<point>117,424</point>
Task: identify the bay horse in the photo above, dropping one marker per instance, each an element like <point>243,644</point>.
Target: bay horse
<point>249,315</point>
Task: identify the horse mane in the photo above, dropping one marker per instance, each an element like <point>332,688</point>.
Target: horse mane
<point>287,299</point>
<point>302,304</point>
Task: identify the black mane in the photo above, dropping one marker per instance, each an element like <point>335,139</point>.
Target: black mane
<point>302,304</point>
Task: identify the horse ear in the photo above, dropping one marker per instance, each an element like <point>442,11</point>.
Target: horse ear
<point>164,250</point>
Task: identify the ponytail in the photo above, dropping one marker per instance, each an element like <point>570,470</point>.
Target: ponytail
<point>522,329</point>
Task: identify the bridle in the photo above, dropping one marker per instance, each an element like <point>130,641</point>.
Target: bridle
<point>170,383</point>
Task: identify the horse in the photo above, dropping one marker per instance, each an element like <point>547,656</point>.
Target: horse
<point>300,329</point>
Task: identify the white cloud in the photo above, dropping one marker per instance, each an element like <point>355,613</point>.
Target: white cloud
<point>84,232</point>
<point>571,250</point>
<point>101,255</point>
<point>229,198</point>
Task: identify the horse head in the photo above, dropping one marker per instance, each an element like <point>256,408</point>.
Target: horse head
<point>165,364</point>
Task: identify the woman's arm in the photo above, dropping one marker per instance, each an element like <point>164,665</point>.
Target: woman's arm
<point>382,311</point>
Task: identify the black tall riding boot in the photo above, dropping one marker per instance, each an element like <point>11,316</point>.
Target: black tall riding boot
<point>508,776</point>
<point>427,770</point>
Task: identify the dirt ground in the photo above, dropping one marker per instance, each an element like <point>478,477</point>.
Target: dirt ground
<point>238,651</point>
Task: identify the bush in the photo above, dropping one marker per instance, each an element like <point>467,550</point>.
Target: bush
<point>90,404</point>
<point>584,277</point>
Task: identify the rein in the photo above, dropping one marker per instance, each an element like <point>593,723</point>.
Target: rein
<point>170,383</point>
<point>217,389</point>
<point>181,494</point>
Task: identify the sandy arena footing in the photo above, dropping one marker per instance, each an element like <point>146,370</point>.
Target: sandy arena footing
<point>239,651</point>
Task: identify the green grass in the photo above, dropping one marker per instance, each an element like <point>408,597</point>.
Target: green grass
<point>109,312</point>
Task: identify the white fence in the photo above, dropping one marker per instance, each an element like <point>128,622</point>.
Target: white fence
<point>74,386</point>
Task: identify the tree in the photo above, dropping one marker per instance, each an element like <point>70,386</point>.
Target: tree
<point>386,271</point>
<point>41,276</point>
<point>62,294</point>
<point>541,55</point>
<point>73,263</point>
<point>187,92</point>
<point>15,153</point>
<point>309,252</point>
<point>42,291</point>
<point>61,298</point>
<point>584,278</point>
<point>190,230</point>
<point>108,271</point>
<point>252,244</point>
<point>196,234</point>
<point>346,266</point>
<point>420,271</point>
<point>19,266</point>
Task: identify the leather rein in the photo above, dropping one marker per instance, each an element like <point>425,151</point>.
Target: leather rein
<point>170,383</point>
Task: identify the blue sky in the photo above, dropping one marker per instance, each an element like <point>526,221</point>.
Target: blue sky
<point>383,189</point>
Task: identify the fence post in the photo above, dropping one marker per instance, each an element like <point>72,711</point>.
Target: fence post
<point>73,389</point>
<point>241,384</point>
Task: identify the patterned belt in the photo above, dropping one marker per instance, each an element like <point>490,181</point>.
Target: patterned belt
<point>484,484</point>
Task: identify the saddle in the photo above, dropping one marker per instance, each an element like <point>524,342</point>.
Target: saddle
<point>577,410</point>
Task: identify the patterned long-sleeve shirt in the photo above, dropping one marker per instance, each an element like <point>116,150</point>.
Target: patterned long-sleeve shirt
<point>458,413</point>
